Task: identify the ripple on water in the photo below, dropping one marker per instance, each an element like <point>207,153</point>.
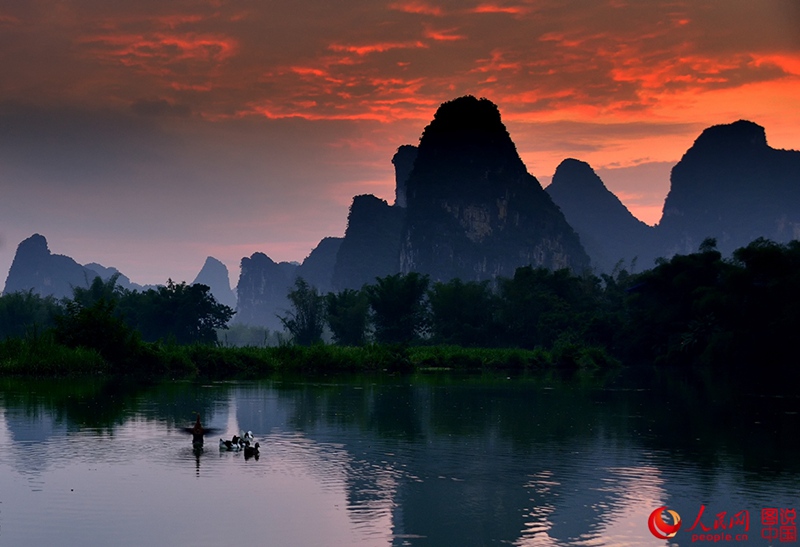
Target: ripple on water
<point>334,471</point>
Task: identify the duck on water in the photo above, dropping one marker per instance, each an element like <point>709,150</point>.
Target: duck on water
<point>251,451</point>
<point>237,442</point>
<point>244,441</point>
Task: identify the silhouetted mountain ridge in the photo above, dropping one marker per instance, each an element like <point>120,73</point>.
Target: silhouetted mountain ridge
<point>214,274</point>
<point>467,207</point>
<point>474,212</point>
<point>371,243</point>
<point>36,269</point>
<point>607,229</point>
<point>731,186</point>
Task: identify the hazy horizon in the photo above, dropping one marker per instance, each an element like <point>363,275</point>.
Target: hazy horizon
<point>149,136</point>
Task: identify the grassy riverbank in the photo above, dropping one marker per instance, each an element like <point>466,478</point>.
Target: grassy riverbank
<point>42,356</point>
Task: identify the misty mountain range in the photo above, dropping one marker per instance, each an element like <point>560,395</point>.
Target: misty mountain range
<point>467,207</point>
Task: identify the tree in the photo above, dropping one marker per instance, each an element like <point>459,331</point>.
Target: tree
<point>23,310</point>
<point>184,313</point>
<point>673,311</point>
<point>398,306</point>
<point>307,320</point>
<point>463,314</point>
<point>98,327</point>
<point>348,316</point>
<point>538,306</point>
<point>98,290</point>
<point>763,291</point>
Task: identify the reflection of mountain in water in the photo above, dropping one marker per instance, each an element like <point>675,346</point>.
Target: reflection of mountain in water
<point>441,462</point>
<point>24,431</point>
<point>458,464</point>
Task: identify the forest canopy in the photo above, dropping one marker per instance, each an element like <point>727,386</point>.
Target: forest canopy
<point>695,310</point>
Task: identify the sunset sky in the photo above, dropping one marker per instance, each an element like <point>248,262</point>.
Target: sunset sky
<point>148,135</point>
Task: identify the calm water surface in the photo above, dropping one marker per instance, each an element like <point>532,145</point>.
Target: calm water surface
<point>429,460</point>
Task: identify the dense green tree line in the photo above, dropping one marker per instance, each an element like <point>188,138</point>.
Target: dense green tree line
<point>691,310</point>
<point>117,322</point>
<point>696,309</point>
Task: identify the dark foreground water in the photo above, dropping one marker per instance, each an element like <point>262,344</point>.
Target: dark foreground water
<point>430,460</point>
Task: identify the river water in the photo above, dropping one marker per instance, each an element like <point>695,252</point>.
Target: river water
<point>425,460</point>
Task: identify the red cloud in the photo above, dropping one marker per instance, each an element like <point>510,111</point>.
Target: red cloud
<point>156,53</point>
<point>309,71</point>
<point>417,7</point>
<point>443,35</point>
<point>496,62</point>
<point>494,8</point>
<point>176,20</point>
<point>376,48</point>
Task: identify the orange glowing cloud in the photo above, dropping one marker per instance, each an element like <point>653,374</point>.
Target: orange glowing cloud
<point>312,98</point>
<point>787,63</point>
<point>494,8</point>
<point>314,93</point>
<point>443,35</point>
<point>496,62</point>
<point>309,71</point>
<point>413,6</point>
<point>154,52</point>
<point>176,20</point>
<point>376,48</point>
<point>693,72</point>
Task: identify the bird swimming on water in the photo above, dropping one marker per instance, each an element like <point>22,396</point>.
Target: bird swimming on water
<point>234,444</point>
<point>251,451</point>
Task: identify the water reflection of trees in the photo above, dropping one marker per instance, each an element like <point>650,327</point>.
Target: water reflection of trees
<point>103,404</point>
<point>506,432</point>
<point>459,458</point>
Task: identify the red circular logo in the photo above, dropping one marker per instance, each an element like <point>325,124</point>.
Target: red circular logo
<point>661,528</point>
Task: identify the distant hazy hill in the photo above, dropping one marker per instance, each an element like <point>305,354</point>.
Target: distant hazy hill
<point>473,210</point>
<point>608,231</point>
<point>732,186</point>
<point>214,274</point>
<point>467,207</point>
<point>262,289</point>
<point>36,269</point>
<point>264,283</point>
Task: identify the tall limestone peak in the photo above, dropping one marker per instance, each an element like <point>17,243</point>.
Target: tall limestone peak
<point>474,212</point>
<point>731,186</point>
<point>403,162</point>
<point>214,274</point>
<point>34,247</point>
<point>468,134</point>
<point>608,230</point>
<point>742,136</point>
<point>317,268</point>
<point>262,291</point>
<point>577,178</point>
<point>264,284</point>
<point>371,243</point>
